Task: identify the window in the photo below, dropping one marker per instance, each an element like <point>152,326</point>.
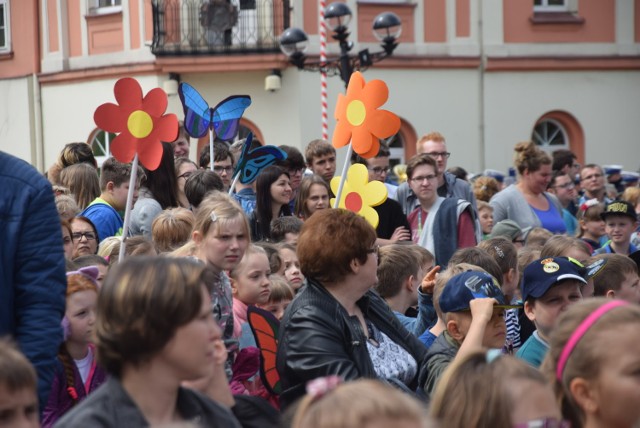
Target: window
<point>549,134</point>
<point>551,5</point>
<point>99,141</point>
<point>5,33</point>
<point>104,6</point>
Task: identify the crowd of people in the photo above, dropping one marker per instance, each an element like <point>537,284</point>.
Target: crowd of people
<point>485,300</point>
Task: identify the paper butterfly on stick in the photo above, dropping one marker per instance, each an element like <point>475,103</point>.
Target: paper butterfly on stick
<point>251,162</point>
<point>360,194</point>
<point>265,329</point>
<point>139,121</point>
<point>223,119</point>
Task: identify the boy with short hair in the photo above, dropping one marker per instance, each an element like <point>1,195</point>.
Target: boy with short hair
<point>473,307</point>
<point>18,395</point>
<point>400,275</point>
<point>199,185</point>
<point>321,159</point>
<point>620,221</point>
<point>615,276</point>
<point>549,287</point>
<point>114,187</point>
<point>286,229</point>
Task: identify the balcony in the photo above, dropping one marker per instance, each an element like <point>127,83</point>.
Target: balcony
<point>218,27</point>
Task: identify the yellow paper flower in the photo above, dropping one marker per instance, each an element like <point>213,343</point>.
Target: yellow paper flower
<point>359,195</point>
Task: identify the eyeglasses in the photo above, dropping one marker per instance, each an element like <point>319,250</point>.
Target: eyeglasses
<point>589,177</point>
<point>518,241</point>
<point>544,423</point>
<point>565,186</point>
<point>90,236</point>
<point>443,155</point>
<point>220,169</point>
<point>295,171</point>
<point>186,175</point>
<point>379,170</point>
<point>422,178</point>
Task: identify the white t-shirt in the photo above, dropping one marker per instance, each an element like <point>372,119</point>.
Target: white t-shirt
<point>84,365</point>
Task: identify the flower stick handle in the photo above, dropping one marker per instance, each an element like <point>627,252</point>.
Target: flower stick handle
<point>343,178</point>
<point>233,183</point>
<point>127,212</point>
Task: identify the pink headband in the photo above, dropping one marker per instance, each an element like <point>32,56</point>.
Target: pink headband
<point>582,329</point>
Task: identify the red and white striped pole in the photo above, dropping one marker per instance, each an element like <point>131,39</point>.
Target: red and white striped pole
<point>323,76</point>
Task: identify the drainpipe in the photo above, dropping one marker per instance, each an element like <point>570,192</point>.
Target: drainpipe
<point>481,89</point>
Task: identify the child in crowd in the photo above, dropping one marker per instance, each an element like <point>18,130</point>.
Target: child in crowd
<point>114,187</point>
<point>281,295</point>
<point>506,255</point>
<point>615,276</point>
<point>537,237</point>
<point>94,260</point>
<point>200,184</point>
<point>286,229</point>
<point>329,404</point>
<point>400,277</point>
<point>485,215</point>
<point>473,307</point>
<point>77,373</point>
<point>591,225</point>
<point>67,240</point>
<point>249,285</point>
<point>320,157</point>
<point>593,363</point>
<point>275,261</point>
<point>290,266</point>
<point>620,220</point>
<point>549,287</point>
<point>221,236</point>
<point>171,229</point>
<point>510,230</point>
<point>136,246</point>
<point>18,393</point>
<point>488,389</point>
<point>566,246</point>
<point>67,207</point>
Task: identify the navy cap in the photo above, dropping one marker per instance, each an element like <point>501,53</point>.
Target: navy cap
<point>623,208</point>
<point>462,288</point>
<point>542,274</point>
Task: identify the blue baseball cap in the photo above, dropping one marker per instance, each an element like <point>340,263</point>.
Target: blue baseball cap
<point>542,274</point>
<point>466,286</point>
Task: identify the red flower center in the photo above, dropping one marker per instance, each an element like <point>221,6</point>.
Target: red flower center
<point>353,202</point>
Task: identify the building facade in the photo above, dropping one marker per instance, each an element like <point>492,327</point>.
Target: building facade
<point>485,73</point>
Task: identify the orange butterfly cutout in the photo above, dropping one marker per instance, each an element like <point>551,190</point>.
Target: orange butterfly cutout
<point>265,329</point>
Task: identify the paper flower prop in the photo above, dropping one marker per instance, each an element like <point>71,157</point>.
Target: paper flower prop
<point>359,195</point>
<point>140,122</point>
<point>359,118</point>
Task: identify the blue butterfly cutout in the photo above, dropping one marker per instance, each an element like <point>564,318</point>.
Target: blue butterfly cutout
<point>224,118</point>
<point>252,162</point>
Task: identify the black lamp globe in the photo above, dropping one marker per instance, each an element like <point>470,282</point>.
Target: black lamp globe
<point>337,16</point>
<point>293,41</point>
<point>387,27</point>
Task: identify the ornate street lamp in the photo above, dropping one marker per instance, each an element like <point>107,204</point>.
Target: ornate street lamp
<point>386,27</point>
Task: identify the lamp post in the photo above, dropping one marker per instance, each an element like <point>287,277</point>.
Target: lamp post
<point>386,27</point>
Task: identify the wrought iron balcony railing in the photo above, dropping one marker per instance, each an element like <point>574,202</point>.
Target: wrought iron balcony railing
<point>214,27</point>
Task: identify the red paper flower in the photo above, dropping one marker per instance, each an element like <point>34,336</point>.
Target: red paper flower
<point>140,121</point>
<point>359,118</point>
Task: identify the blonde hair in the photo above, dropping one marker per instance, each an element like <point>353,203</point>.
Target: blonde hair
<point>67,207</point>
<point>631,194</point>
<point>476,391</point>
<point>136,246</point>
<point>374,401</point>
<point>280,289</point>
<point>223,209</point>
<point>503,252</point>
<point>172,228</point>
<point>250,251</point>
<point>537,237</point>
<point>83,182</point>
<point>528,157</point>
<point>484,188</point>
<point>586,359</point>
<point>558,245</point>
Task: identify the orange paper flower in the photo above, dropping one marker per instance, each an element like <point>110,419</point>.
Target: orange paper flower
<point>359,119</point>
<point>141,123</point>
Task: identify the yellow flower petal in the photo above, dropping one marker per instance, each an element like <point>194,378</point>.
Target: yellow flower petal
<point>374,193</point>
<point>370,215</point>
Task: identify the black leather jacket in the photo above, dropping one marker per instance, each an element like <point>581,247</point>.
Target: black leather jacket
<point>319,338</point>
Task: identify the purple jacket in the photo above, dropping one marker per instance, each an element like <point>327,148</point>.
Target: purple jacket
<point>60,401</point>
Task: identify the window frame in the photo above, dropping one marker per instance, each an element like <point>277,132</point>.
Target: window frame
<point>94,138</point>
<point>7,26</point>
<point>94,8</point>
<point>551,147</point>
<point>545,7</point>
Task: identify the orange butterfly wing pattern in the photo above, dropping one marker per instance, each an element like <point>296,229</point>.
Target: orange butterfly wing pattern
<point>265,330</point>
